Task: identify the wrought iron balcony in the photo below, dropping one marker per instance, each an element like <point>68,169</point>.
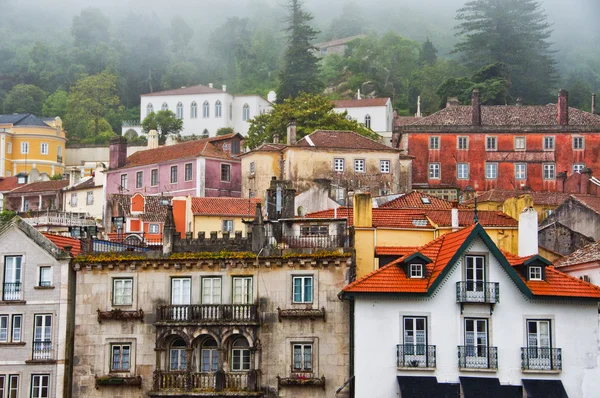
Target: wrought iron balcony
<point>42,351</point>
<point>415,356</point>
<point>477,292</point>
<point>210,314</point>
<point>11,291</point>
<point>477,357</point>
<point>539,358</point>
<point>167,383</point>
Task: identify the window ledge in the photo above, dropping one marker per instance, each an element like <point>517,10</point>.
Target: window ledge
<point>40,361</point>
<point>301,313</point>
<point>413,368</point>
<point>119,314</point>
<point>478,370</point>
<point>11,343</point>
<point>13,302</point>
<point>541,371</point>
<point>43,287</point>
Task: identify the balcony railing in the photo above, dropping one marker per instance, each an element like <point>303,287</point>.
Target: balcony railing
<point>477,357</point>
<point>537,358</point>
<point>209,314</point>
<point>415,356</point>
<point>42,351</point>
<point>477,292</point>
<point>329,241</point>
<point>205,382</point>
<point>128,244</point>
<point>64,219</point>
<point>11,291</point>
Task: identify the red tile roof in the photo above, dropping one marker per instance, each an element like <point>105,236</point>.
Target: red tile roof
<point>587,254</point>
<point>336,139</point>
<point>592,202</point>
<point>539,198</point>
<point>41,186</point>
<point>365,102</point>
<point>63,241</point>
<point>199,89</point>
<point>8,183</point>
<point>405,120</point>
<point>234,207</point>
<point>413,200</point>
<point>394,250</point>
<point>154,211</point>
<point>487,218</point>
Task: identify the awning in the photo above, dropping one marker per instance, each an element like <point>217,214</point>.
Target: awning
<point>426,387</point>
<point>476,387</point>
<point>544,388</point>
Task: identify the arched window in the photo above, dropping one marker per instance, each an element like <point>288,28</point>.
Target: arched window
<point>178,355</point>
<point>164,107</point>
<point>149,109</point>
<point>209,356</point>
<point>368,121</point>
<point>194,110</point>
<point>240,355</point>
<point>218,109</point>
<point>230,111</point>
<point>246,112</point>
<point>205,109</point>
<point>179,110</point>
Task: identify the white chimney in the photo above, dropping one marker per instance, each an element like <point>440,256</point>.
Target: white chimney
<point>224,87</point>
<point>528,232</point>
<point>418,106</point>
<point>454,216</point>
<point>152,139</point>
<point>210,85</point>
<point>171,140</point>
<point>358,94</point>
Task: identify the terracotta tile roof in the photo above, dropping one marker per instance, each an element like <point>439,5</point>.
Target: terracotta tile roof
<point>511,115</point>
<point>394,250</point>
<point>405,120</point>
<point>8,184</point>
<point>199,89</point>
<point>539,198</point>
<point>587,254</point>
<point>562,285</point>
<point>87,184</point>
<point>358,103</point>
<point>41,186</point>
<point>63,241</point>
<point>342,140</point>
<point>592,202</point>
<point>267,147</point>
<point>413,200</point>
<point>487,218</point>
<point>235,207</point>
<point>184,150</point>
<point>153,210</point>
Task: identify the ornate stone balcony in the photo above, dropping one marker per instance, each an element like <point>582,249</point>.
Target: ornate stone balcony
<point>210,314</point>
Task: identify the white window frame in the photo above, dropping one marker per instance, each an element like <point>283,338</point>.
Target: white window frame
<point>462,171</point>
<point>242,356</point>
<point>549,171</point>
<point>16,332</point>
<point>45,276</point>
<point>306,282</point>
<point>149,108</point>
<point>139,179</point>
<point>4,327</point>
<point>434,171</point>
<point>173,174</point>
<point>212,290</point>
<point>578,167</point>
<point>462,142</point>
<point>182,294</point>
<point>491,171</point>
<point>228,168</point>
<point>491,139</point>
<point>74,200</point>
<point>218,109</point>
<point>205,109</point>
<point>188,172</point>
<point>338,165</point>
<point>43,333</point>
<point>518,141</point>
<point>246,112</point>
<point>520,172</point>
<point>44,148</point>
<point>535,273</point>
<point>24,148</point>
<point>414,335</point>
<point>416,271</point>
<point>385,166</point>
<point>434,142</point>
<point>549,143</point>
<point>252,168</point>
<point>179,111</point>
<point>227,225</point>
<point>153,180</point>
<point>123,181</point>
<point>90,198</point>
<point>359,166</point>
<point>122,291</point>
<point>242,290</point>
<point>578,143</point>
<point>193,110</point>
<point>179,353</point>
<point>120,362</point>
<point>300,352</point>
<point>9,148</point>
<point>368,121</point>
<point>164,107</point>
<point>154,229</point>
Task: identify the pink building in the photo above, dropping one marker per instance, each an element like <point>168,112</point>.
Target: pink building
<point>207,167</point>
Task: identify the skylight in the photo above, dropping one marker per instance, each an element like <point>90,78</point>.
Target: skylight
<point>419,223</point>
<point>425,200</point>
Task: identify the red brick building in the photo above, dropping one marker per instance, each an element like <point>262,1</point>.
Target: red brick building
<point>504,147</point>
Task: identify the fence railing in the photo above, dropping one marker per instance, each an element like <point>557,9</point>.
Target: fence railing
<point>58,218</point>
<point>205,382</point>
<point>477,357</point>
<point>124,245</point>
<point>209,313</point>
<point>330,241</point>
<point>477,292</point>
<point>42,351</point>
<point>415,356</point>
<point>541,358</point>
<point>11,291</point>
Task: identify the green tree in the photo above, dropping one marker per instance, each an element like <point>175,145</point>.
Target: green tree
<point>311,112</point>
<point>90,28</point>
<point>180,34</point>
<point>56,104</point>
<point>25,98</point>
<point>300,71</point>
<point>163,121</point>
<point>428,54</point>
<point>514,33</point>
<point>492,81</point>
<point>225,131</point>
<point>351,22</point>
<point>425,82</point>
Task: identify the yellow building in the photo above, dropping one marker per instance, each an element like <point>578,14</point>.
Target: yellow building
<point>28,142</point>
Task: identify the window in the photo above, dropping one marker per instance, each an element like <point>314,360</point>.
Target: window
<point>242,290</point>
<point>520,171</point>
<point>12,388</point>
<point>549,171</point>
<point>24,147</point>
<point>188,172</point>
<point>303,289</point>
<point>17,326</point>
<point>139,179</point>
<point>538,336</point>
<point>230,111</point>
<point>226,172</point>
<point>463,142</point>
<point>123,182</point>
<point>3,328</point>
<point>149,109</point>
<point>578,167</point>
<point>415,335</point>
<point>246,113</point>
<point>178,355</point>
<point>491,171</point>
<point>474,275</point>
<point>210,356</point>
<point>235,147</point>
<point>240,355</point>
<point>45,276</point>
<point>90,198</point>
<point>535,273</point>
<point>491,143</point>
<point>44,148</point>
<point>173,174</point>
<point>434,170</point>
<point>154,177</point>
<point>302,355</point>
<point>12,278</point>
<point>384,166</point>
<point>59,154</point>
<point>153,229</point>
<point>218,108</point>
<point>120,357</point>
<point>519,143</point>
<point>164,107</point>
<point>122,291</point>
<point>73,199</point>
<point>211,290</point>
<point>416,271</point>
<point>338,165</point>
<point>194,110</point>
<point>179,114</point>
<point>314,230</point>
<point>577,142</point>
<point>205,109</point>
<point>476,342</point>
<point>252,168</point>
<point>434,142</point>
<point>462,171</point>
<point>359,165</point>
<point>42,338</point>
<point>9,148</point>
<point>548,142</point>
<point>227,226</point>
<point>368,121</point>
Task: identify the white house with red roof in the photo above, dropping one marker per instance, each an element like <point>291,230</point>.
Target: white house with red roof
<point>375,113</point>
<point>457,317</point>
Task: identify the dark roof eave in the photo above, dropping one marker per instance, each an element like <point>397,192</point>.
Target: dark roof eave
<point>496,129</point>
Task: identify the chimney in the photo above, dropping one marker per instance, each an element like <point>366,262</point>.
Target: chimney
<point>528,232</point>
<point>210,85</point>
<point>476,108</point>
<point>117,152</point>
<point>169,231</point>
<point>224,88</point>
<point>291,132</point>
<point>171,140</point>
<point>152,139</point>
<point>275,138</point>
<point>560,181</point>
<point>358,95</point>
<point>520,101</point>
<point>454,214</point>
<point>451,101</point>
<point>563,107</point>
<point>363,210</point>
<point>593,104</point>
<point>584,181</point>
<point>418,107</point>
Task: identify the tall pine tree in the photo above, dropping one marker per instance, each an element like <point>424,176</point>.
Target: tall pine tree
<point>300,70</point>
<point>514,33</point>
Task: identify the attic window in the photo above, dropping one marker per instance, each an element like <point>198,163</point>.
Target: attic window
<point>535,273</point>
<point>419,223</point>
<point>425,200</point>
<point>416,271</point>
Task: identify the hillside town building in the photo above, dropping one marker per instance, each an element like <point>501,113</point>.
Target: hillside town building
<point>376,114</point>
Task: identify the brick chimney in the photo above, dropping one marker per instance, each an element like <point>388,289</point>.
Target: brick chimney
<point>560,181</point>
<point>476,108</point>
<point>593,104</point>
<point>117,152</point>
<point>563,107</point>
<point>291,132</point>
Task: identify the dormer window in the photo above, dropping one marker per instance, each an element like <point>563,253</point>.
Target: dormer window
<point>535,273</point>
<point>416,271</point>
